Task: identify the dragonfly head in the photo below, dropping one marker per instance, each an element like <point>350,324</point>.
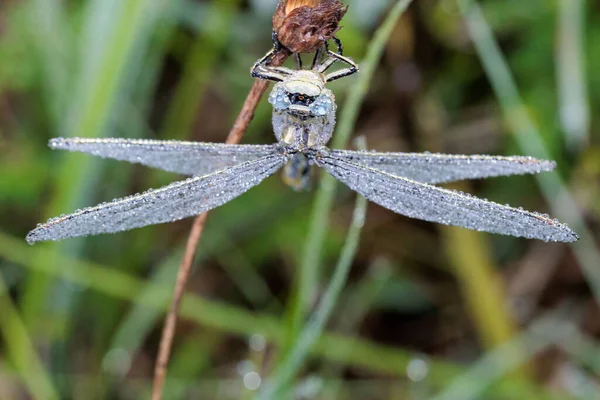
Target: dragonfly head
<point>303,94</point>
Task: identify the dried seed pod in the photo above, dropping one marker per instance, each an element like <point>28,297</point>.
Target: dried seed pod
<point>303,25</point>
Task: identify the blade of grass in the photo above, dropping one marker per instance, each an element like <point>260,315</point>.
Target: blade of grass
<point>324,197</point>
<point>572,85</point>
<point>226,318</point>
<point>583,348</point>
<point>137,324</point>
<point>189,361</point>
<point>360,301</point>
<point>235,135</point>
<point>132,113</point>
<point>472,262</point>
<point>97,55</point>
<point>89,120</point>
<point>528,138</point>
<point>244,275</point>
<point>480,284</point>
<point>21,351</point>
<point>129,118</point>
<point>49,33</point>
<point>199,68</point>
<point>290,366</point>
<point>544,332</point>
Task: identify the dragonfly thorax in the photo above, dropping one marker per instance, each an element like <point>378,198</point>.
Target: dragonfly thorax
<point>306,82</point>
<point>303,110</point>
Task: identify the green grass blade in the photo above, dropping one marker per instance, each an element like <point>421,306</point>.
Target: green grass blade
<point>544,332</point>
<point>480,283</point>
<point>235,321</point>
<point>139,321</point>
<point>571,76</point>
<point>21,350</point>
<point>354,309</point>
<point>199,69</point>
<point>51,42</point>
<point>583,348</point>
<point>528,138</point>
<point>324,196</point>
<point>292,364</point>
<point>90,114</point>
<point>191,359</point>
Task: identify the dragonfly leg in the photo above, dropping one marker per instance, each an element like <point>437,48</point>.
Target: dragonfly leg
<point>340,46</point>
<point>332,58</point>
<point>262,70</point>
<point>318,59</point>
<point>297,61</point>
<point>351,70</point>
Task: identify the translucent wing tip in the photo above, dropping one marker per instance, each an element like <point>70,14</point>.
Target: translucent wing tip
<point>531,165</point>
<point>560,232</point>
<point>58,143</point>
<point>36,235</point>
<point>572,236</point>
<point>538,226</point>
<point>541,165</point>
<point>46,232</point>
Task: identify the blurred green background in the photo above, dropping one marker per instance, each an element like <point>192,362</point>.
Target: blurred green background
<point>428,311</point>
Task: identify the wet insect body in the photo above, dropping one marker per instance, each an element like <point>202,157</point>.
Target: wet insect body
<point>303,122</point>
<point>304,109</point>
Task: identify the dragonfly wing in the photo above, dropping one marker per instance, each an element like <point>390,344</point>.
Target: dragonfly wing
<point>170,203</point>
<point>422,201</point>
<point>187,158</point>
<point>440,168</point>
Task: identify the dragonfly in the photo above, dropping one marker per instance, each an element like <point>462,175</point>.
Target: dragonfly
<point>304,113</point>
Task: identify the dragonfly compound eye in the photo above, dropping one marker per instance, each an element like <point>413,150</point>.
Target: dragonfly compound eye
<point>279,99</point>
<point>322,106</point>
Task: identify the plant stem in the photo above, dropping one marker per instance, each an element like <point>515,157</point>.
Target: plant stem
<point>168,333</point>
<point>235,136</point>
<point>232,320</point>
<point>529,139</point>
<point>314,328</point>
<point>313,248</point>
<point>21,351</point>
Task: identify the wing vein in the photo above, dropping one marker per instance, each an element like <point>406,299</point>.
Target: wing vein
<point>440,168</point>
<point>170,203</point>
<point>422,201</point>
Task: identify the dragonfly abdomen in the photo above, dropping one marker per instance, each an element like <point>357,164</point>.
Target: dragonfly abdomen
<point>297,173</point>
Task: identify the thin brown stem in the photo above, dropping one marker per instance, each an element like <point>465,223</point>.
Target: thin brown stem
<point>235,136</point>
<point>256,92</point>
<point>168,332</point>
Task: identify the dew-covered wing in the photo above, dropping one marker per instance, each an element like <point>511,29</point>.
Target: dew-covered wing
<point>422,201</point>
<point>170,203</point>
<point>188,158</point>
<point>440,168</point>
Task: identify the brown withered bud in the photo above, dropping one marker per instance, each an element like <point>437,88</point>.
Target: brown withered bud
<point>303,25</point>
